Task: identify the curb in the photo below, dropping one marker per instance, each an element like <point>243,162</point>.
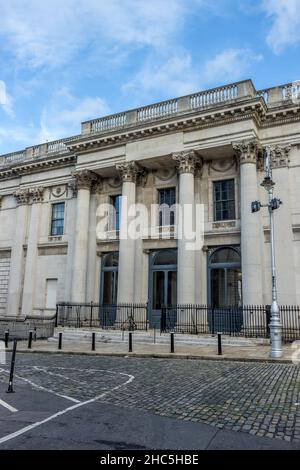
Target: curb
<point>155,356</point>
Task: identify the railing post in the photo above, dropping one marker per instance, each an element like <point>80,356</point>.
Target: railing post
<point>93,341</point>
<point>172,343</point>
<point>220,344</point>
<point>6,337</point>
<point>163,319</point>
<point>30,340</point>
<point>12,368</point>
<point>56,316</point>
<point>130,341</point>
<point>60,341</point>
<point>268,320</point>
<point>91,314</point>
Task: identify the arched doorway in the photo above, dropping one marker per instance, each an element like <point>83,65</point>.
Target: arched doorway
<point>225,289</point>
<point>162,283</point>
<point>109,289</point>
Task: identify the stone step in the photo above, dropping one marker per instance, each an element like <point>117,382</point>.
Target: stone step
<point>82,335</point>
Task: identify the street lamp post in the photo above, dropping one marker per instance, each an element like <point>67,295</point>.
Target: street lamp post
<point>273,204</point>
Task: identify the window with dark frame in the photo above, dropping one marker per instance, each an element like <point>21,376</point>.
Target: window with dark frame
<point>116,202</point>
<point>224,200</point>
<point>167,199</point>
<point>58,218</point>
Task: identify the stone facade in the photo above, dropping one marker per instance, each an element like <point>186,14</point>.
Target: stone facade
<point>189,144</point>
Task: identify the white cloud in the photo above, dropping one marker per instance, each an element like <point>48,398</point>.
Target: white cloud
<point>63,115</point>
<point>174,77</point>
<point>5,100</point>
<point>285,30</point>
<point>229,65</point>
<point>50,33</point>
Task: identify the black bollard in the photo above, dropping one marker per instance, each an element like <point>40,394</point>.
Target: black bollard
<point>130,341</point>
<point>6,335</point>
<point>60,341</point>
<point>30,340</point>
<point>172,343</point>
<point>93,341</point>
<point>12,368</point>
<point>219,344</point>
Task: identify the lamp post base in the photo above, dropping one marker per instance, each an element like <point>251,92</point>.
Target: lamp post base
<point>275,332</point>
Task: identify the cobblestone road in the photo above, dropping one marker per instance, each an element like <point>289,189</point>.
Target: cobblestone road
<point>257,398</point>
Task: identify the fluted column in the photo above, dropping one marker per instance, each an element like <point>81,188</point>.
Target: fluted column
<point>186,164</point>
<point>128,172</point>
<point>36,195</point>
<point>251,224</point>
<point>17,255</point>
<point>84,179</point>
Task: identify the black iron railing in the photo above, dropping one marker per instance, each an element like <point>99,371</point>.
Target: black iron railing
<point>93,315</point>
<point>246,321</point>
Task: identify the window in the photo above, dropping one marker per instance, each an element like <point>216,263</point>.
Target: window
<point>224,201</point>
<point>116,203</point>
<point>57,222</point>
<point>167,199</point>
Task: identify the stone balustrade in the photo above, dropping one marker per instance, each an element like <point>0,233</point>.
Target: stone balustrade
<point>215,97</point>
<point>38,151</point>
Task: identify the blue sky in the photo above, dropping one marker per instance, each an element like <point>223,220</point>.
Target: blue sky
<point>66,61</point>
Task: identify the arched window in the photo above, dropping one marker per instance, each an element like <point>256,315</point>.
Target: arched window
<point>225,255</point>
<point>165,258</point>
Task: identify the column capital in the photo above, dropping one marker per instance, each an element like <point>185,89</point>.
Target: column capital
<point>36,194</point>
<point>129,171</point>
<point>85,179</point>
<point>280,155</point>
<point>187,161</point>
<point>247,151</point>
<point>22,196</point>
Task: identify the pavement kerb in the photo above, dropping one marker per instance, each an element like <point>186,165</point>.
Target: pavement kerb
<point>155,356</point>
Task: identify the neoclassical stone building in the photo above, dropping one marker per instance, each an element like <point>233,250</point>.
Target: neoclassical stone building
<point>205,148</point>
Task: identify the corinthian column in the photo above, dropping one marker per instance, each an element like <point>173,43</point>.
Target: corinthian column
<point>128,172</point>
<point>17,255</point>
<point>84,180</point>
<point>186,164</point>
<point>251,224</point>
<point>36,195</point>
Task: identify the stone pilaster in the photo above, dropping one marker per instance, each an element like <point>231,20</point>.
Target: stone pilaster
<point>284,237</point>
<point>36,196</point>
<point>84,182</point>
<point>251,224</point>
<point>17,254</point>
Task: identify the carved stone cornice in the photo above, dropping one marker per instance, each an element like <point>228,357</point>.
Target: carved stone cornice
<point>85,179</point>
<point>247,151</point>
<point>22,196</point>
<point>36,194</point>
<point>280,156</point>
<point>188,162</point>
<point>129,171</point>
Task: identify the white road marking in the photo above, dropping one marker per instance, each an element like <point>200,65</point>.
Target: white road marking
<point>66,410</point>
<point>40,387</point>
<point>9,407</point>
